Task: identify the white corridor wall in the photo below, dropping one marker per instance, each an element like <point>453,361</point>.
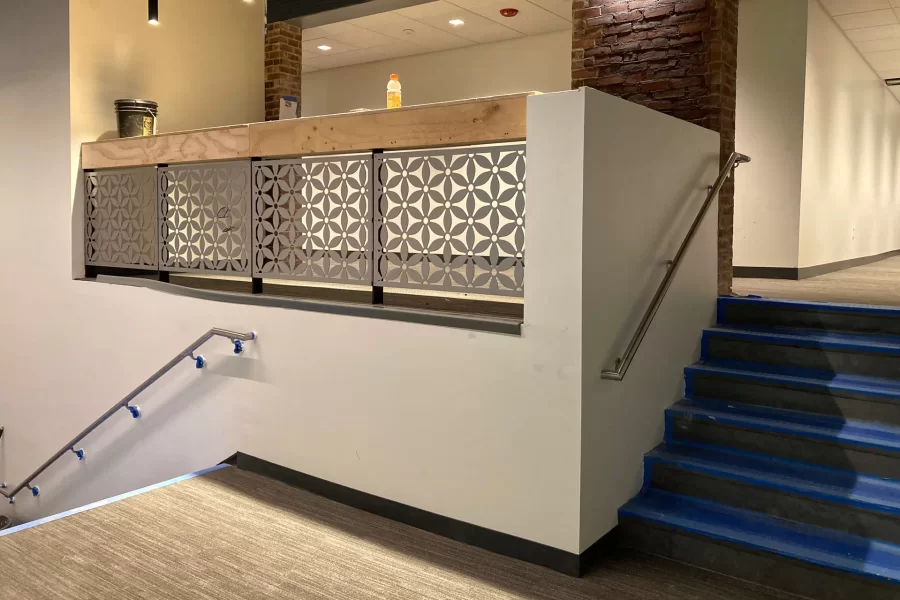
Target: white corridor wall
<point>823,131</point>
<point>482,428</point>
<point>850,200</point>
<point>769,128</point>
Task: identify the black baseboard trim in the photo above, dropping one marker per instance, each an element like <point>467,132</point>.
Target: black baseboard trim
<point>501,543</point>
<point>766,272</point>
<point>795,273</point>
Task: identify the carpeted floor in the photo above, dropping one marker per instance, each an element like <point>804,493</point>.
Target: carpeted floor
<point>875,283</point>
<point>234,534</point>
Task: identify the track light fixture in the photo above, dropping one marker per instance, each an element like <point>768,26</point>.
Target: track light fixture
<point>153,12</point>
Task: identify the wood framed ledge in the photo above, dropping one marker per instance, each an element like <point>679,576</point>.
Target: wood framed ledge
<point>459,123</point>
<point>479,121</point>
<point>220,143</point>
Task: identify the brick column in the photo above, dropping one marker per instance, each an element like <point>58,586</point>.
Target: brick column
<point>675,56</point>
<point>284,65</point>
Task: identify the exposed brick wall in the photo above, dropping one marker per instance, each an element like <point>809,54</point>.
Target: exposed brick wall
<point>675,56</point>
<point>284,62</point>
<point>723,97</point>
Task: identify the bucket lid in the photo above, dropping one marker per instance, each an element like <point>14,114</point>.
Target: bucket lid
<point>136,103</point>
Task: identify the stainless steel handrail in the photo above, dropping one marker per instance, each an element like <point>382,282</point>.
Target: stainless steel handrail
<point>237,338</point>
<point>617,373</point>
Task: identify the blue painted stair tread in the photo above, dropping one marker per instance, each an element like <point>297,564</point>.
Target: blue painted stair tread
<point>775,303</point>
<point>818,380</point>
<point>879,437</point>
<point>824,547</point>
<point>869,429</point>
<point>810,338</point>
<point>863,491</point>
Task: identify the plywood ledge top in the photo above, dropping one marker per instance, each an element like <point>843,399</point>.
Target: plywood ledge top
<point>460,122</point>
<point>220,143</point>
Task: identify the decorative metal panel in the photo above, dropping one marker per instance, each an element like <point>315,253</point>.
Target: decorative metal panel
<point>313,219</point>
<point>120,218</point>
<point>452,219</point>
<point>205,217</point>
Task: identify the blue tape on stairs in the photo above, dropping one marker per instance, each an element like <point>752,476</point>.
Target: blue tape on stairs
<point>849,433</point>
<point>883,388</point>
<point>842,487</point>
<point>824,547</point>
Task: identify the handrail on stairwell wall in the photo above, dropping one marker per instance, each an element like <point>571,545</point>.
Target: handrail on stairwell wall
<point>237,339</point>
<point>617,373</point>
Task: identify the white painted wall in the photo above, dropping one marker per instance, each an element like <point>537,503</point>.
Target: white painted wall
<point>824,134</point>
<point>770,104</point>
<point>535,63</point>
<point>636,214</point>
<point>850,201</point>
<point>482,428</point>
<point>116,54</point>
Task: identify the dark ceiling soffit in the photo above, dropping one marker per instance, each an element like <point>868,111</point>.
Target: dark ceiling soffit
<point>283,10</point>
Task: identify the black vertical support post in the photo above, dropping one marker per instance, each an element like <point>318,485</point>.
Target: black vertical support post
<point>163,275</point>
<point>377,290</point>
<point>257,282</point>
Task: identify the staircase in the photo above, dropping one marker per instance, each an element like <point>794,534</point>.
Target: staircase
<point>782,463</point>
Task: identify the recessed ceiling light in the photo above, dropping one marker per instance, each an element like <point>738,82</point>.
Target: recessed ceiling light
<point>409,31</point>
<point>324,48</point>
<point>457,22</point>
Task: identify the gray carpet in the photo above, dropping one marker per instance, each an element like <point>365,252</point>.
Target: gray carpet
<point>234,534</point>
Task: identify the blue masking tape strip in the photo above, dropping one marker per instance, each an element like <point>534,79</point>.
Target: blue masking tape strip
<point>101,503</point>
<point>725,301</point>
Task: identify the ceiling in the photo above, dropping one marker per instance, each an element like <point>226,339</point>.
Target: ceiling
<point>874,28</point>
<point>426,28</point>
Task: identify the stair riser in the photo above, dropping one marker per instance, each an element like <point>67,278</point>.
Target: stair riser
<point>776,503</point>
<point>759,315</point>
<point>819,402</point>
<point>802,449</point>
<point>764,568</point>
<point>817,359</point>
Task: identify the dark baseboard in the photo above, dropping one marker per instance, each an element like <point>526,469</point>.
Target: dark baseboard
<point>474,535</point>
<point>807,272</point>
<point>766,272</point>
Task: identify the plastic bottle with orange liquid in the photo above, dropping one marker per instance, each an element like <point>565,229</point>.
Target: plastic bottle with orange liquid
<point>394,91</point>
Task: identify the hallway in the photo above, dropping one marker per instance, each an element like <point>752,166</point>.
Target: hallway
<point>876,283</point>
<point>235,534</point>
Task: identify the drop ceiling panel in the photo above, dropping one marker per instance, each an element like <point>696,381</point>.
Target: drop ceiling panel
<point>363,38</point>
<point>395,25</point>
<point>562,8</point>
<point>426,28</point>
<point>328,30</point>
<point>878,45</point>
<point>531,20</point>
<point>881,32</point>
<point>311,47</point>
<point>474,28</point>
<point>871,18</point>
<point>845,7</point>
<point>874,28</point>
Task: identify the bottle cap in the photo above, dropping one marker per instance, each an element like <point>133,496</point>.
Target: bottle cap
<point>395,77</point>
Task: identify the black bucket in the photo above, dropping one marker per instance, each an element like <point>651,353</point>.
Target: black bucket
<point>136,117</point>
